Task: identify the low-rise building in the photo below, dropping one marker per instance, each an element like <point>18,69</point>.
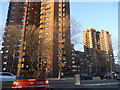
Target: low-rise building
<point>79,64</point>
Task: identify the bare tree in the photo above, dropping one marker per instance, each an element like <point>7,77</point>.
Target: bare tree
<point>75,28</point>
<point>32,47</point>
<point>69,27</point>
<point>12,37</point>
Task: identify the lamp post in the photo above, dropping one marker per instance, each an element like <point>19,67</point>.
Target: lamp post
<point>60,68</point>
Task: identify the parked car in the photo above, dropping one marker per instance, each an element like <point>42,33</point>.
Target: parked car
<point>28,84</point>
<point>115,75</point>
<point>118,77</point>
<point>108,76</point>
<point>84,76</point>
<point>7,78</point>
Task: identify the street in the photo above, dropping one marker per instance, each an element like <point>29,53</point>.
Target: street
<point>95,83</point>
<point>68,83</point>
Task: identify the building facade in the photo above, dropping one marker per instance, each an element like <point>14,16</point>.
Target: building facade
<point>79,64</point>
<point>90,48</point>
<point>54,38</point>
<point>107,50</point>
<point>98,51</point>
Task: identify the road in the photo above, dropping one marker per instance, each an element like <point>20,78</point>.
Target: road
<point>95,83</point>
<point>68,83</point>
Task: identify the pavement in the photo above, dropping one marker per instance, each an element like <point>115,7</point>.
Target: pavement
<point>60,79</point>
<point>70,78</point>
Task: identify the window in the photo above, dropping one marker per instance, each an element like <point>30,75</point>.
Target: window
<point>59,37</point>
<point>13,3</point>
<point>59,43</point>
<point>21,29</point>
<point>8,46</point>
<point>46,33</point>
<point>20,50</point>
<point>21,20</point>
<point>59,11</point>
<point>45,5</point>
<point>20,26</point>
<point>63,0</point>
<point>64,61</point>
<point>45,44</point>
<point>21,15</point>
<point>73,62</point>
<point>12,11</point>
<point>45,38</point>
<point>23,2</point>
<point>73,58</point>
<point>46,23</point>
<point>4,62</point>
<point>18,45</point>
<point>5,57</point>
<point>59,55</point>
<point>59,7</point>
<point>45,50</point>
<point>48,8</point>
<point>13,7</point>
<point>73,54</point>
<point>11,16</point>
<point>46,18</point>
<point>45,9</point>
<point>59,17</point>
<point>63,9</point>
<point>21,11</point>
<point>59,49</point>
<point>46,28</point>
<point>6,51</point>
<point>22,6</point>
<point>59,2</point>
<point>11,21</point>
<point>4,69</point>
<point>45,56</point>
<point>64,5</point>
<point>59,27</point>
<point>7,40</point>
<point>47,13</point>
<point>74,66</point>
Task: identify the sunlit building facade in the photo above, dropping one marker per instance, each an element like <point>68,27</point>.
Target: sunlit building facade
<point>107,50</point>
<point>55,45</point>
<point>98,51</point>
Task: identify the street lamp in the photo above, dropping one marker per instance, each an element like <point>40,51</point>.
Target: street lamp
<point>60,68</point>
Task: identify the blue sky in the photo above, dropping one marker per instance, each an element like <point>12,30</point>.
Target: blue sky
<point>100,15</point>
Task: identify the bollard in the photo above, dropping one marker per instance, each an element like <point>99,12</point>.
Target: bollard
<point>77,79</point>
